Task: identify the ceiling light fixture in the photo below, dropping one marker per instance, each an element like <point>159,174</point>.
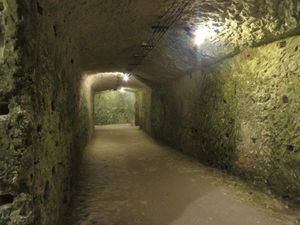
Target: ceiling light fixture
<point>202,34</point>
<point>126,77</point>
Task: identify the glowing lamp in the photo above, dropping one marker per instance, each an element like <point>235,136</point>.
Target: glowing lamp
<point>202,34</point>
<point>125,77</point>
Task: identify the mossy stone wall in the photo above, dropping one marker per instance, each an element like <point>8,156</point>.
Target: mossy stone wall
<point>114,107</point>
<point>46,127</point>
<point>241,115</point>
<point>143,109</point>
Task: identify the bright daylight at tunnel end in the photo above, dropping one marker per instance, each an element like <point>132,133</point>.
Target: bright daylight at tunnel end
<point>205,95</point>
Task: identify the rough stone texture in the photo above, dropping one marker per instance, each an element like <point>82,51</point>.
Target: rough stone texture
<point>125,26</point>
<point>114,107</point>
<point>16,202</point>
<point>107,34</point>
<point>51,46</point>
<point>1,30</point>
<point>236,26</point>
<point>44,130</point>
<point>143,109</point>
<point>241,115</point>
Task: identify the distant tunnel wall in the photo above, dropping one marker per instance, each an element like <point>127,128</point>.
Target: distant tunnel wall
<point>114,107</point>
<point>143,99</point>
<point>241,115</point>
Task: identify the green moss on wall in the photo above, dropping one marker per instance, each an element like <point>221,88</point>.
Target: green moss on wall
<point>217,114</point>
<point>46,127</point>
<point>114,107</point>
<point>241,115</point>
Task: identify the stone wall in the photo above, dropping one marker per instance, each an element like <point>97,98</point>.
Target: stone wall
<point>241,115</point>
<point>114,107</point>
<point>43,121</point>
<point>143,100</point>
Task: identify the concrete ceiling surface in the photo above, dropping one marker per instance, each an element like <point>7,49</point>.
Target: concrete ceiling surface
<point>108,35</point>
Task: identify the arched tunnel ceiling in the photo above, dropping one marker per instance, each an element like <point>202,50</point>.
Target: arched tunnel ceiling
<point>112,81</point>
<point>107,34</point>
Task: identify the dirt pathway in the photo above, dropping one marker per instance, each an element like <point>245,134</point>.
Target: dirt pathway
<point>128,179</point>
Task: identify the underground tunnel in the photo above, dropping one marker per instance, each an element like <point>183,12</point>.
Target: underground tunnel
<point>136,112</point>
<point>114,107</point>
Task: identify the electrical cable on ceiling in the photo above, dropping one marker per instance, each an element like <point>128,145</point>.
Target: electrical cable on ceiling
<point>166,21</point>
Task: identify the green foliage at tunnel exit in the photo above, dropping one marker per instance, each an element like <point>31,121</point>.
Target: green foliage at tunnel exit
<point>114,107</point>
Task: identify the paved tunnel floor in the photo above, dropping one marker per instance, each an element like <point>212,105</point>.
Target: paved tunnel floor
<point>128,179</point>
